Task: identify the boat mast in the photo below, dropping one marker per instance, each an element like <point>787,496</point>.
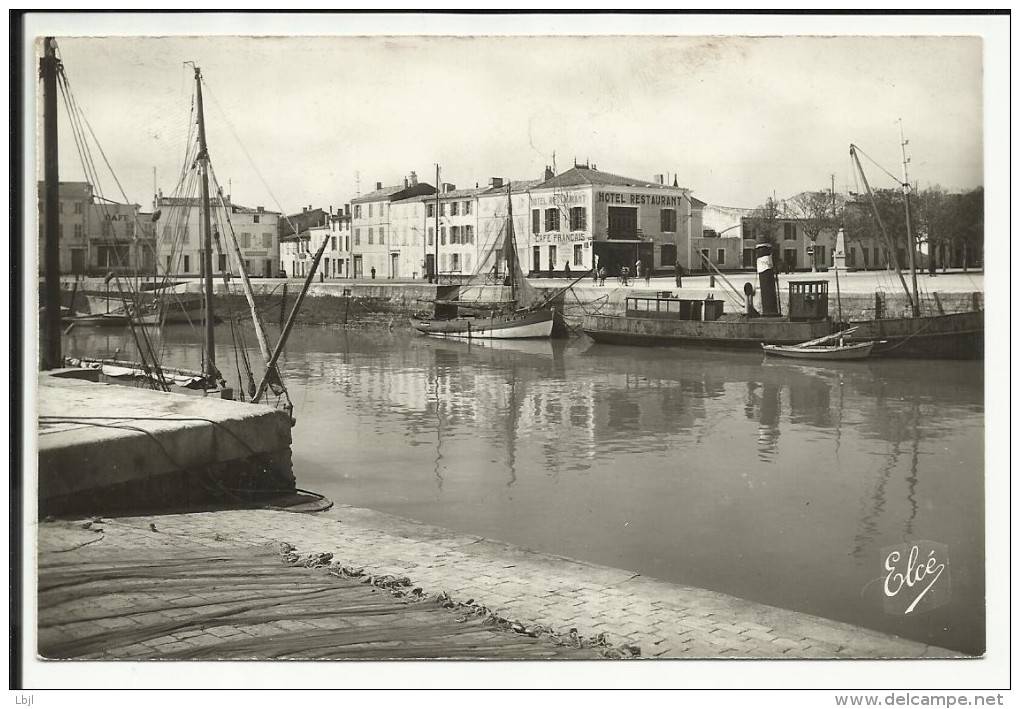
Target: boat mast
<point>48,66</point>
<point>435,265</point>
<point>881,225</point>
<point>911,243</point>
<point>510,246</point>
<point>209,366</point>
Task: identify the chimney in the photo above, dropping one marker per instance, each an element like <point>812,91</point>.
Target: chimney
<point>260,210</point>
<point>347,209</point>
<point>414,179</point>
<point>405,183</point>
<point>495,182</point>
<point>304,209</point>
<point>448,187</point>
<point>548,173</point>
<point>659,179</point>
<point>378,185</point>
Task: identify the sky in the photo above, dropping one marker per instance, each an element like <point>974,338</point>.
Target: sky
<point>315,120</point>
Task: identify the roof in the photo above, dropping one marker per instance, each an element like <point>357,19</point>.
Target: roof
<point>515,186</point>
<point>238,209</point>
<point>582,175</point>
<point>395,193</point>
<point>453,194</point>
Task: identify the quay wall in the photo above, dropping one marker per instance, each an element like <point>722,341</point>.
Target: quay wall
<point>389,304</point>
<point>109,448</point>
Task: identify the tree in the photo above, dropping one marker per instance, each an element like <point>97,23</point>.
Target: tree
<point>971,226</point>
<point>763,223</point>
<point>814,212</point>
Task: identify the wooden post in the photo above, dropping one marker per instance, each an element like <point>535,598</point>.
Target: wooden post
<point>48,65</point>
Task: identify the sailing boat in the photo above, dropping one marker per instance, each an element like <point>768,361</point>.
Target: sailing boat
<point>506,306</point>
<point>925,336</point>
<point>209,379</point>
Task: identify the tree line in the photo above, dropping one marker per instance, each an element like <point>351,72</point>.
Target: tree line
<point>947,225</point>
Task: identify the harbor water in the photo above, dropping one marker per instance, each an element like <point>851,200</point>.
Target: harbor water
<point>783,483</point>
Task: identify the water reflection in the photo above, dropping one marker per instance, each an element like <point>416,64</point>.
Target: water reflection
<point>778,482</point>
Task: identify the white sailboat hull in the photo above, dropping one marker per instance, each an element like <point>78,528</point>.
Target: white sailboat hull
<point>518,326</point>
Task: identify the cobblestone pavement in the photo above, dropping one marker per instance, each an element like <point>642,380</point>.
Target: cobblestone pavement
<point>649,617</point>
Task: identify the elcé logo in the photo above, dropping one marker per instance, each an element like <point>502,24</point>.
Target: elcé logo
<point>916,577</point>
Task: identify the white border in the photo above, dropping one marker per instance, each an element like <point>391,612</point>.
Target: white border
<point>984,673</point>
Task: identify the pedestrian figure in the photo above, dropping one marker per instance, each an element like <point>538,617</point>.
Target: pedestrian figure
<point>373,272</point>
<point>679,271</point>
<point>931,265</point>
<point>595,275</point>
<point>602,275</point>
<point>648,276</point>
<point>637,269</point>
<point>566,268</point>
<point>625,275</point>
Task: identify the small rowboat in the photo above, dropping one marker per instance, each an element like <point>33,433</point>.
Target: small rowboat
<point>858,350</point>
<point>820,349</point>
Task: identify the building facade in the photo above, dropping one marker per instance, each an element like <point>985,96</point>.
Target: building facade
<point>794,250</point>
<point>584,218</point>
<point>98,236</point>
<point>302,234</point>
<point>180,237</point>
<point>373,252</point>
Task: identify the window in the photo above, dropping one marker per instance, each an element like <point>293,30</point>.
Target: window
<point>78,207</point>
<point>432,236</point>
<point>430,210</point>
<point>536,221</point>
<point>578,253</point>
<point>552,256</point>
<point>357,211</point>
<point>552,219</point>
<point>467,208</point>
<point>371,235</point>
<point>130,226</point>
<point>370,213</point>
<point>454,260</point>
<point>746,229</point>
<point>667,220</point>
<point>223,263</point>
<point>442,236</point>
<point>720,256</point>
<point>332,243</point>
<point>667,254</point>
<point>578,219</point>
<point>357,237</point>
<point>185,235</point>
<point>789,232</point>
<point>255,219</point>
<point>267,239</point>
<point>79,231</point>
<point>469,234</point>
<point>442,209</point>
<point>454,208</point>
<point>704,253</point>
<point>187,263</point>
<point>244,240</point>
<point>382,235</point>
